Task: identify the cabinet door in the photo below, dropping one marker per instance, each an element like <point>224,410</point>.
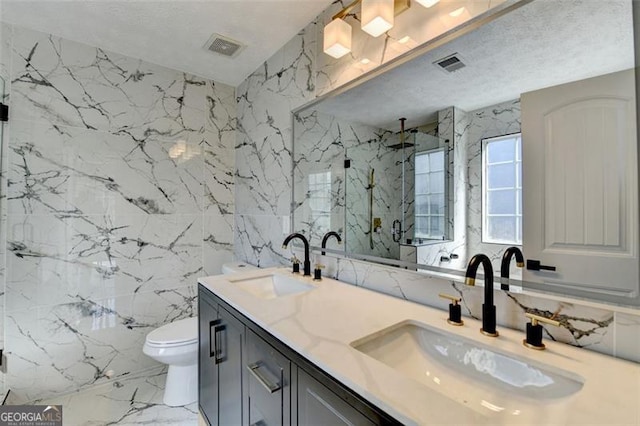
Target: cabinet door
<point>230,346</point>
<point>319,406</point>
<point>268,390</point>
<point>207,367</point>
<point>580,184</point>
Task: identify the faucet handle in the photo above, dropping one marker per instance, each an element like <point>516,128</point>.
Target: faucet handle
<point>455,300</point>
<point>535,319</point>
<point>317,272</point>
<point>296,264</point>
<point>455,310</point>
<point>534,331</point>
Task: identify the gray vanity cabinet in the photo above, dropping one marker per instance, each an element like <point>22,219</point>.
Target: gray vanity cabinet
<point>248,377</point>
<point>230,348</point>
<point>267,383</point>
<point>220,364</point>
<point>207,368</point>
<point>317,405</point>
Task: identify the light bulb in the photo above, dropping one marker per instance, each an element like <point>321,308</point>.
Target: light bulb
<point>427,3</point>
<point>337,38</point>
<point>377,16</point>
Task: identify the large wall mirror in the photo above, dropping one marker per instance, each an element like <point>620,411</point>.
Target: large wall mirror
<point>521,133</point>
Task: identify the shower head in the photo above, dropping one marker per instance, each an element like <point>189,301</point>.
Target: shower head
<point>402,143</point>
<point>400,146</point>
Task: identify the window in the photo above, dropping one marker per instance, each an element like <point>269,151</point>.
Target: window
<point>429,202</point>
<point>320,201</point>
<point>502,189</point>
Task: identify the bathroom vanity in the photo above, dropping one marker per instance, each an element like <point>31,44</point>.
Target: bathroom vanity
<point>279,348</point>
<point>246,373</point>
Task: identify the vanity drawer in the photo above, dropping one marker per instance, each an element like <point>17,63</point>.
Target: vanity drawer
<point>268,384</point>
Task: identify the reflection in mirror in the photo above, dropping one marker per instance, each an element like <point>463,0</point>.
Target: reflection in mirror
<point>384,175</point>
<point>474,116</point>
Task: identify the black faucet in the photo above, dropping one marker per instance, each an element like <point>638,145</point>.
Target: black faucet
<point>307,263</point>
<point>488,308</point>
<point>326,237</point>
<point>504,267</point>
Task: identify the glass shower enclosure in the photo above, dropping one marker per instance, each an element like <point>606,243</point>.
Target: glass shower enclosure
<point>3,233</point>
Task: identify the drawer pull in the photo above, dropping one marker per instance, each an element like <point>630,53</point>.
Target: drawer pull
<point>219,350</point>
<point>213,338</point>
<point>255,371</point>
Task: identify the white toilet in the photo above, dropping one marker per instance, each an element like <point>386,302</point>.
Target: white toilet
<point>176,344</point>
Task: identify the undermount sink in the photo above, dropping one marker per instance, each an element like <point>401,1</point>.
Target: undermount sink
<point>271,286</point>
<point>464,369</point>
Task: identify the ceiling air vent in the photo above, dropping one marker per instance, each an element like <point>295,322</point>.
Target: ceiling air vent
<point>223,46</point>
<point>451,63</point>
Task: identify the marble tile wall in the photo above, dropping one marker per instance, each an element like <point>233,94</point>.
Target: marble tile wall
<point>321,150</point>
<point>452,125</point>
<point>296,75</point>
<point>593,328</point>
<point>314,158</point>
<point>118,192</point>
<point>263,180</point>
<point>323,143</point>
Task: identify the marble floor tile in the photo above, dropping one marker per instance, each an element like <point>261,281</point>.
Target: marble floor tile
<point>131,401</point>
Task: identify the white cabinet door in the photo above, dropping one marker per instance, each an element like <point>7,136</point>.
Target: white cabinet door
<point>580,184</point>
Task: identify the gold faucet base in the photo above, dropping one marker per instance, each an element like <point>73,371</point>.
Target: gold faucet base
<point>496,334</point>
<point>530,346</point>
<point>457,324</point>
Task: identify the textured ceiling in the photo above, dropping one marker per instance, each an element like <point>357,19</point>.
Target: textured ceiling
<point>541,44</point>
<point>172,32</point>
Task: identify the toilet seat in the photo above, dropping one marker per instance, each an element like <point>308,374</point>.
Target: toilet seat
<point>177,333</point>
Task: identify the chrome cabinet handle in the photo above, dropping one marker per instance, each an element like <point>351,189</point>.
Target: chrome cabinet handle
<point>255,371</point>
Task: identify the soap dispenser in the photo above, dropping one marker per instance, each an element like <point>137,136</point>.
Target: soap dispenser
<point>455,310</point>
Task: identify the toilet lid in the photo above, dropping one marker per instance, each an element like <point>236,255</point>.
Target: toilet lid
<point>182,331</point>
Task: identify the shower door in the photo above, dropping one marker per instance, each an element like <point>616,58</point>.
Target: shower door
<point>373,198</point>
<point>3,225</point>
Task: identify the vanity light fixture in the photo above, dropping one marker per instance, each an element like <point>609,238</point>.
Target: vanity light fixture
<point>337,38</point>
<point>427,3</point>
<point>377,18</point>
<point>455,17</point>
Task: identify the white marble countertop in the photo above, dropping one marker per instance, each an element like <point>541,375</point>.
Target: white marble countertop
<point>320,325</point>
